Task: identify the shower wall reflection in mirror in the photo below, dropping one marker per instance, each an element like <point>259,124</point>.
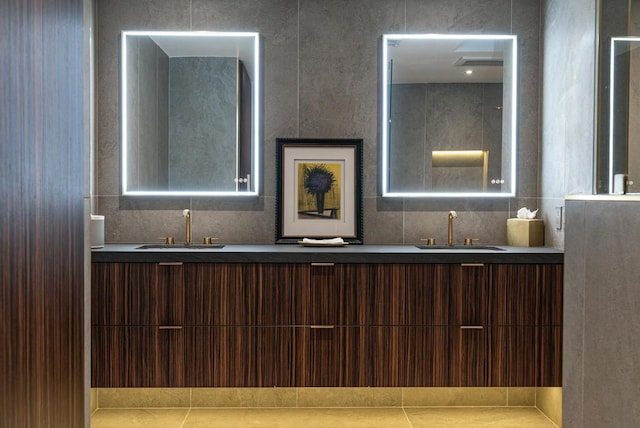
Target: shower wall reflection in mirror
<point>190,113</point>
<point>449,115</point>
<point>624,116</point>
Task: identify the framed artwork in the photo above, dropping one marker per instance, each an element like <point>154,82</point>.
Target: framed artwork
<point>319,193</point>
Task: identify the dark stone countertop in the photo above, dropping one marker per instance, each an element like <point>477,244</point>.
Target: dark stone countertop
<point>293,253</point>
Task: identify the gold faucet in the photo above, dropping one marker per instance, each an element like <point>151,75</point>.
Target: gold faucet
<point>186,213</point>
<point>452,215</point>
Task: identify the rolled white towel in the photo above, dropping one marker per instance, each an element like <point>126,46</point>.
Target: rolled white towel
<point>331,241</point>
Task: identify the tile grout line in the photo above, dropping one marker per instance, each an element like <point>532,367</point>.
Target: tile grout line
<point>407,417</point>
<point>185,418</point>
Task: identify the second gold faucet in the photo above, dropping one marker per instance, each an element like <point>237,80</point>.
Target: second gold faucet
<point>186,213</point>
<point>452,215</point>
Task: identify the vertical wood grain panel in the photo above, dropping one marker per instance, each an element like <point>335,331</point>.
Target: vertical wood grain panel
<point>549,356</point>
<point>467,357</point>
<point>511,356</point>
<point>408,294</point>
<point>157,294</point>
<point>156,357</point>
<point>337,294</point>
<point>407,356</point>
<point>549,304</point>
<point>110,357</point>
<point>335,357</point>
<point>109,294</point>
<point>468,304</point>
<point>41,219</point>
<point>512,294</point>
<point>239,294</point>
<point>237,356</point>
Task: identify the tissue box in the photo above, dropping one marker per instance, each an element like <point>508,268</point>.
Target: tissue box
<point>525,233</point>
<point>96,229</point>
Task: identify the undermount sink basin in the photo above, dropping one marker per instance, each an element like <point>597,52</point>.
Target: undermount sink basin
<point>179,246</point>
<point>459,247</point>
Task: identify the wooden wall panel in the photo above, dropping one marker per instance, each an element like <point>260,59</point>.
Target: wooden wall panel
<point>42,215</point>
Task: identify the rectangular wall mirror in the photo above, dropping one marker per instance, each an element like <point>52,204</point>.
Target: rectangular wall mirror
<point>190,105</point>
<point>449,106</point>
<point>624,116</point>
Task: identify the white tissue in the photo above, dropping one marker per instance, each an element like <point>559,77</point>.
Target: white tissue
<point>526,214</point>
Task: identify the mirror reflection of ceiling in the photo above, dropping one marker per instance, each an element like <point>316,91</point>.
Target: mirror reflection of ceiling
<point>447,62</point>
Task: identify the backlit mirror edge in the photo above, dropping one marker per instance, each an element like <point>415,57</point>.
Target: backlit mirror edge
<point>386,193</point>
<point>612,82</point>
<point>256,128</point>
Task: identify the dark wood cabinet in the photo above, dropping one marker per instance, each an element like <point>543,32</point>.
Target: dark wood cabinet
<point>332,356</point>
<point>287,325</point>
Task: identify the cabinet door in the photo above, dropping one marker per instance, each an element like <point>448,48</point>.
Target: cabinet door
<point>549,304</point>
<point>237,356</point>
<point>243,294</point>
<point>408,294</point>
<point>139,356</point>
<point>468,291</point>
<point>549,356</point>
<point>467,356</point>
<point>408,356</point>
<point>332,357</point>
<point>110,359</point>
<point>511,359</point>
<point>110,288</point>
<point>157,356</point>
<point>512,291</point>
<point>157,293</point>
<point>335,295</point>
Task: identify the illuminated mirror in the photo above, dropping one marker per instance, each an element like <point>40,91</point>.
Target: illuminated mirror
<point>449,105</point>
<point>190,110</point>
<point>624,116</point>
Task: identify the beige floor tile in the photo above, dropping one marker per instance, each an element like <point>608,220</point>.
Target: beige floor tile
<point>138,418</point>
<point>290,418</point>
<point>478,417</point>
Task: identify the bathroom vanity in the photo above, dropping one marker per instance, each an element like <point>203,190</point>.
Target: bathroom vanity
<point>287,315</point>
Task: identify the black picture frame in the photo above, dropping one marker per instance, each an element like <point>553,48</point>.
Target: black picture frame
<point>306,166</point>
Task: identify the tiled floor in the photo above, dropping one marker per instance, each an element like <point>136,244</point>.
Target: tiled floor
<point>439,417</point>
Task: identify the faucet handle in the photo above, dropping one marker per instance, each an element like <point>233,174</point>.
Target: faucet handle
<point>208,240</point>
<point>430,241</point>
<point>168,240</point>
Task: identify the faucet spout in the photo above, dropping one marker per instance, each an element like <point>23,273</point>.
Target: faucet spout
<point>452,215</point>
<point>186,213</point>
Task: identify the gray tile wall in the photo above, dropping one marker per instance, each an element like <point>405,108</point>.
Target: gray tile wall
<point>601,351</point>
<point>568,106</point>
<point>321,80</point>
